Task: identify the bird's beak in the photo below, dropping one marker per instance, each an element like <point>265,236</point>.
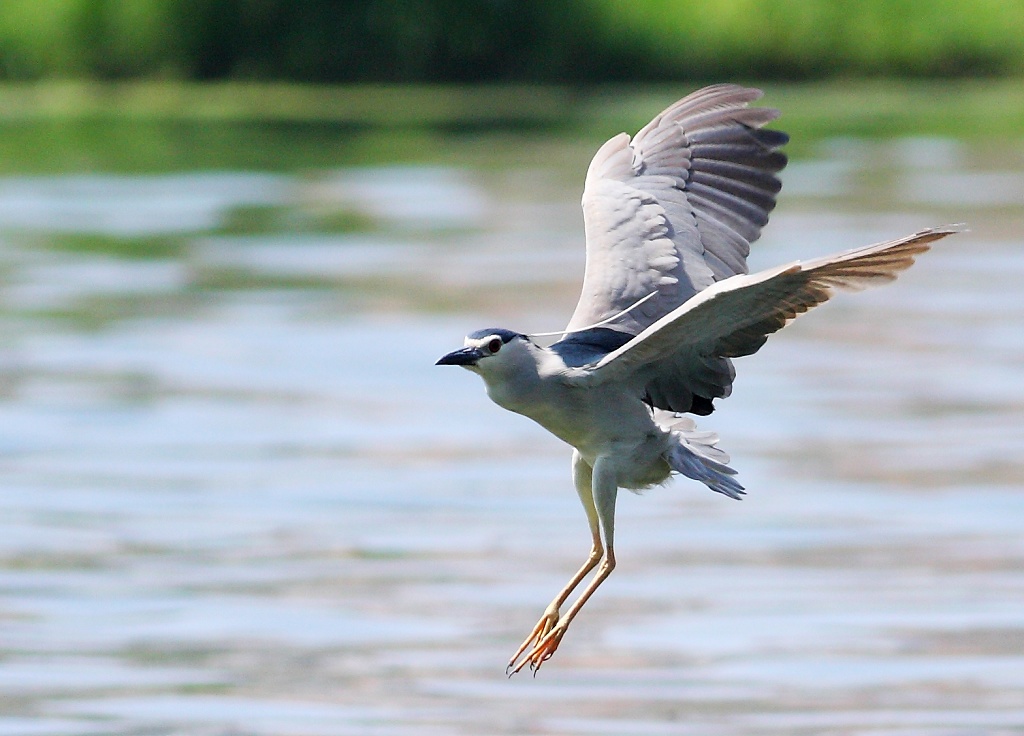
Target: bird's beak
<point>465,356</point>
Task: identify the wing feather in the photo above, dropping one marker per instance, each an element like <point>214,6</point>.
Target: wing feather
<point>762,198</point>
<point>735,317</point>
<point>675,209</point>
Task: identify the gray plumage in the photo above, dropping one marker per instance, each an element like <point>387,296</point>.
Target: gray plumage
<point>666,304</point>
<point>670,213</point>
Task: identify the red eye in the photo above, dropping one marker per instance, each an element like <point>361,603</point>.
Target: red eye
<point>494,345</point>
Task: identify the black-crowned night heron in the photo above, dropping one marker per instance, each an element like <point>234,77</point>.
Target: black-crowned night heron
<point>666,305</point>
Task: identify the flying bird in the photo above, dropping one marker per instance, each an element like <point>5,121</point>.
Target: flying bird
<point>666,305</point>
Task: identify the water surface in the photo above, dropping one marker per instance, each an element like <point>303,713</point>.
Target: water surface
<point>239,498</point>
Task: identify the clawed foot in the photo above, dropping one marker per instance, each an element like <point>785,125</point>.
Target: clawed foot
<point>544,640</point>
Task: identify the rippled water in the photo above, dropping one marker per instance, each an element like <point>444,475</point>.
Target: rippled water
<point>239,498</point>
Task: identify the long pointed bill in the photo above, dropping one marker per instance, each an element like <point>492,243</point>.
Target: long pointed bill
<point>465,356</point>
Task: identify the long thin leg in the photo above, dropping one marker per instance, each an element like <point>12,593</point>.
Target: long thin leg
<point>605,490</point>
<point>582,476</point>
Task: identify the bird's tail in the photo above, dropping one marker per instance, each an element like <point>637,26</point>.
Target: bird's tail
<point>696,455</point>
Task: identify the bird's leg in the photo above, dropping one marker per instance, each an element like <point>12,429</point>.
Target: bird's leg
<point>582,476</point>
<point>547,645</point>
<point>605,490</point>
<point>550,617</point>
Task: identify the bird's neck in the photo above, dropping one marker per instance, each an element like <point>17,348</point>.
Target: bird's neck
<point>516,393</point>
<point>525,388</point>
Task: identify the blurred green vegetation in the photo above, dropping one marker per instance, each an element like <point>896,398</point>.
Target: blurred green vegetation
<point>54,127</point>
<point>565,42</point>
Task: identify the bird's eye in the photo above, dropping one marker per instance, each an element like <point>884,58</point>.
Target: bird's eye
<point>494,345</point>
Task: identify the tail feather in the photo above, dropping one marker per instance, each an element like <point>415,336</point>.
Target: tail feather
<point>696,455</point>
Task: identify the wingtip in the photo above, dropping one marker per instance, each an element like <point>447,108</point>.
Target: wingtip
<point>922,239</point>
<point>932,234</point>
<point>944,230</point>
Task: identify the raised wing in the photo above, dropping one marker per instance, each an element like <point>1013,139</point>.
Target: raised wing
<point>676,209</point>
<point>734,317</point>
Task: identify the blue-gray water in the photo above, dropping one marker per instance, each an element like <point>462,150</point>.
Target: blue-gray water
<point>239,498</point>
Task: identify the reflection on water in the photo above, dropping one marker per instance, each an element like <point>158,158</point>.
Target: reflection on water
<point>238,498</point>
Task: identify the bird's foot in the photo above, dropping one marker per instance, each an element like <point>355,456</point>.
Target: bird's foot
<point>541,653</point>
<point>533,642</point>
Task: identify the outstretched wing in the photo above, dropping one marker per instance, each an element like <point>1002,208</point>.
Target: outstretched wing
<point>676,209</point>
<point>734,317</point>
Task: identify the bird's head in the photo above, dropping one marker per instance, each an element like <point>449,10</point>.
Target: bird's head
<point>492,352</point>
